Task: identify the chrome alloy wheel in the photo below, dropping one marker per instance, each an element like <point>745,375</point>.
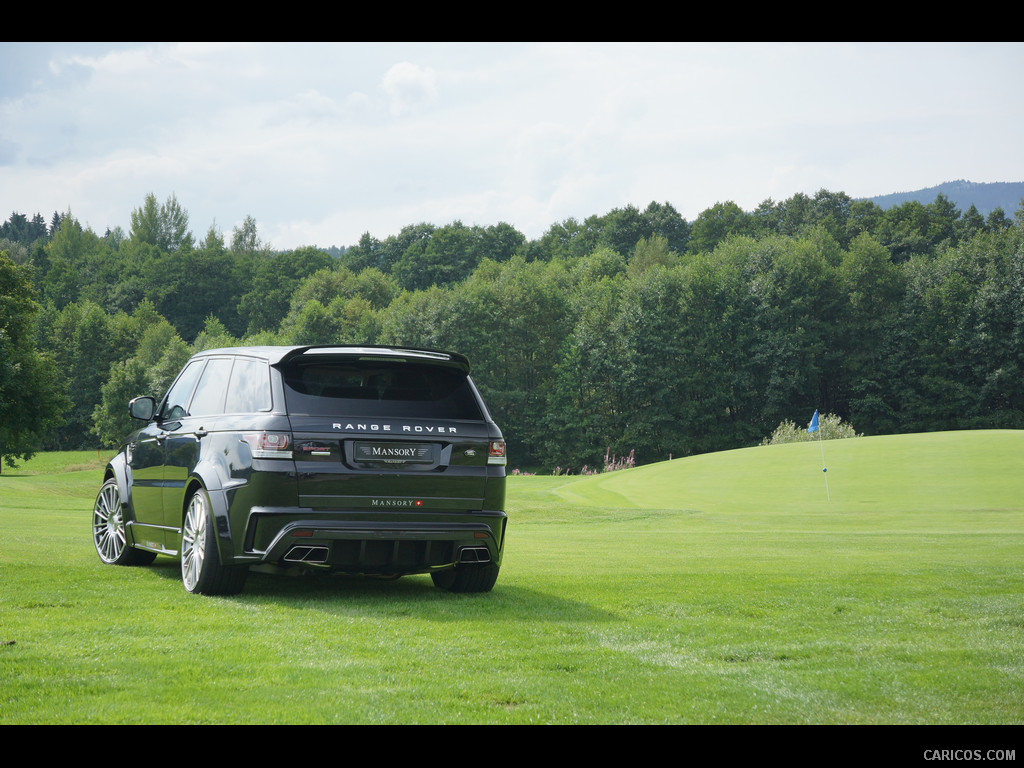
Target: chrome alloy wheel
<point>193,542</point>
<point>108,532</point>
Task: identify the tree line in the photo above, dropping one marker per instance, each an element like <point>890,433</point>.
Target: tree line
<point>632,331</point>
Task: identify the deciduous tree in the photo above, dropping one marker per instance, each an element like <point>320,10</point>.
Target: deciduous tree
<point>30,400</point>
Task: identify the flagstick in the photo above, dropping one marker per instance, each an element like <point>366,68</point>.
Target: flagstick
<point>823,468</point>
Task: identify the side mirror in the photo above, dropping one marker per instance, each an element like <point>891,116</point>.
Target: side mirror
<point>142,408</point>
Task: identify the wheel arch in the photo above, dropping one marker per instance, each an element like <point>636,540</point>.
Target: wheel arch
<point>217,498</point>
<point>117,468</point>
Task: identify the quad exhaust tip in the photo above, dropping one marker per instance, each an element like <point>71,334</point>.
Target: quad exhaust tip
<point>316,555</point>
<point>475,555</point>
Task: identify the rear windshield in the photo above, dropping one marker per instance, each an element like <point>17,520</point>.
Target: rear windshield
<point>383,389</point>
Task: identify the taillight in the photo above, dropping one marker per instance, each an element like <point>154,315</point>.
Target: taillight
<point>496,452</point>
<point>269,445</point>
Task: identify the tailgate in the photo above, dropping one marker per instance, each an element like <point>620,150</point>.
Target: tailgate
<point>390,464</point>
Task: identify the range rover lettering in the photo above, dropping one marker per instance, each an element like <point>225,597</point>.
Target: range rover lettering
<point>366,460</point>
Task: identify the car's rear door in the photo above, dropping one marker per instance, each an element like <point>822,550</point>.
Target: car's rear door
<point>184,440</point>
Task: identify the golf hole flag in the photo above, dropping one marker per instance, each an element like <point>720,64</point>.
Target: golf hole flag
<point>813,427</point>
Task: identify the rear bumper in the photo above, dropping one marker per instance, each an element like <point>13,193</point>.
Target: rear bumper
<point>371,542</point>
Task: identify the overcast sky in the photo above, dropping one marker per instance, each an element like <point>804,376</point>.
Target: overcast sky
<point>322,142</point>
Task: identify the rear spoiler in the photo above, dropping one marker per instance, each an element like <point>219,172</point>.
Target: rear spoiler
<point>379,352</point>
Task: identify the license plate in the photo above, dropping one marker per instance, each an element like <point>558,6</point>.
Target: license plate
<point>394,453</point>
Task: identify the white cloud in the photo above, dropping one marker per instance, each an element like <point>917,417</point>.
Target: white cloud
<point>409,87</point>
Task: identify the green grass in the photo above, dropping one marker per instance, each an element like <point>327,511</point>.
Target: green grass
<point>716,589</point>
<point>59,463</point>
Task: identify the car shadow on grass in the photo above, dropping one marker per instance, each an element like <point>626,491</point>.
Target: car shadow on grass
<point>413,595</point>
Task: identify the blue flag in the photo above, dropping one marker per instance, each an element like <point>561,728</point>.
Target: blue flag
<point>814,423</point>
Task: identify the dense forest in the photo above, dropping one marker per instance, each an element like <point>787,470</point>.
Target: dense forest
<point>635,330</point>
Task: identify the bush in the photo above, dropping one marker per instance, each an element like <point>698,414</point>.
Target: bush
<point>611,464</point>
<point>830,426</point>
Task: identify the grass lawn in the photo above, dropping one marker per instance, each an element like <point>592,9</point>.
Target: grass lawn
<point>723,588</point>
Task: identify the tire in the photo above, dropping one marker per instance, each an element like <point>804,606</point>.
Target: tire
<point>109,535</point>
<point>201,571</point>
<point>466,578</point>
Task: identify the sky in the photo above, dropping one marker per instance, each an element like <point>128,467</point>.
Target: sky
<point>321,142</point>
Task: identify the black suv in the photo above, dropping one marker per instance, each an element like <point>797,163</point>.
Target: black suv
<point>371,460</point>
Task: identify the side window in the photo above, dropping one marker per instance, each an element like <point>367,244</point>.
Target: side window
<point>209,397</point>
<point>181,390</point>
<point>249,390</point>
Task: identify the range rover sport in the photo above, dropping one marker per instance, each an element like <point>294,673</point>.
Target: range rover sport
<point>370,460</point>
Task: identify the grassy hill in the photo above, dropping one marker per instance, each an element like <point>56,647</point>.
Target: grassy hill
<point>722,588</point>
<point>937,472</point>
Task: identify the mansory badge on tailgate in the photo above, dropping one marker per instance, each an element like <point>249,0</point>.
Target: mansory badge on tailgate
<point>373,460</point>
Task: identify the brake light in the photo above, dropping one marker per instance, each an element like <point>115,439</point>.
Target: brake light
<point>496,452</point>
<point>269,445</point>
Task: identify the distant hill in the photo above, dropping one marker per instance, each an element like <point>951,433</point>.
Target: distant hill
<point>985,197</point>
